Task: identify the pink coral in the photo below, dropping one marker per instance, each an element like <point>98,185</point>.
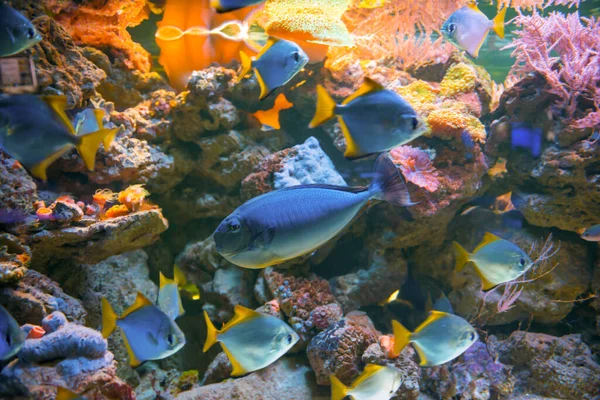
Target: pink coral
<point>529,4</point>
<point>416,167</point>
<point>565,49</point>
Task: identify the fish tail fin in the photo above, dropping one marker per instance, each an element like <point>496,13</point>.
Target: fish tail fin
<point>246,65</point>
<point>211,334</point>
<point>88,146</point>
<point>388,184</point>
<point>65,394</point>
<point>338,389</point>
<point>325,108</point>
<point>462,256</point>
<point>109,318</point>
<point>401,336</point>
<point>499,22</point>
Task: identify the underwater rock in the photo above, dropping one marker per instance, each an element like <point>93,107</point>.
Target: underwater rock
<point>386,272</point>
<point>118,279</point>
<point>298,295</point>
<point>552,366</point>
<point>288,378</point>
<point>69,356</point>
<point>14,258</point>
<point>474,375</point>
<point>98,241</point>
<point>18,190</point>
<point>339,348</point>
<point>156,383</point>
<point>36,296</point>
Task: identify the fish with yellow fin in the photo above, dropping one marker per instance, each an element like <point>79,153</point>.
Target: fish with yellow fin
<point>373,119</point>
<point>467,28</point>
<point>149,334</point>
<point>36,132</point>
<point>223,6</point>
<point>496,260</point>
<point>276,64</point>
<point>251,340</point>
<point>440,338</point>
<point>377,382</point>
<point>65,394</point>
<point>169,298</point>
<point>372,3</point>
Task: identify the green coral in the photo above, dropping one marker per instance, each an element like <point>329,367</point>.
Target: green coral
<point>460,78</point>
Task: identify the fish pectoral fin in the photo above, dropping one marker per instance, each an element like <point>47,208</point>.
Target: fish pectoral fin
<point>133,360</point>
<point>263,239</point>
<point>238,369</point>
<point>140,302</point>
<point>368,86</point>
<point>152,339</point>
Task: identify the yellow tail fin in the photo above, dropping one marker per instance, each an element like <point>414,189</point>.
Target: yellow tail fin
<point>246,65</point>
<point>401,337</point>
<point>65,394</point>
<point>462,256</point>
<point>109,318</point>
<point>325,108</point>
<point>108,139</point>
<point>89,144</point>
<point>338,389</point>
<point>211,334</point>
<point>499,23</point>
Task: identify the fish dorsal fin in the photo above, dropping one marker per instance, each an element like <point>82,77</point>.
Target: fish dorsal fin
<point>178,276</point>
<point>369,371</point>
<point>270,42</point>
<point>433,316</point>
<point>99,115</point>
<point>58,104</point>
<point>368,86</point>
<point>140,302</point>
<point>241,315</point>
<point>238,370</point>
<point>164,280</point>
<point>473,6</point>
<point>487,239</point>
<point>349,189</point>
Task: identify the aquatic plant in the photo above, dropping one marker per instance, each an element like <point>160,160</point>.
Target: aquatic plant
<point>565,50</point>
<point>416,166</point>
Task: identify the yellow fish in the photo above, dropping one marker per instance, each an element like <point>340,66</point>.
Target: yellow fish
<point>375,383</point>
<point>391,298</point>
<point>251,340</point>
<point>441,338</point>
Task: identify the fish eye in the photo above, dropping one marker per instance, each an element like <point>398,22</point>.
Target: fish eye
<point>472,336</point>
<point>234,226</point>
<point>522,261</point>
<point>296,56</point>
<point>415,123</point>
<point>8,339</point>
<point>289,339</point>
<point>30,33</point>
<point>170,339</point>
<point>451,27</point>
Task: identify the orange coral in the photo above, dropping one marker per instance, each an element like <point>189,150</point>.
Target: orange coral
<point>104,24</point>
<point>44,214</point>
<point>103,196</point>
<point>314,25</point>
<point>192,36</point>
<point>36,332</point>
<point>118,210</point>
<point>271,117</point>
<point>450,123</point>
<point>416,166</point>
<point>133,197</point>
<point>387,343</point>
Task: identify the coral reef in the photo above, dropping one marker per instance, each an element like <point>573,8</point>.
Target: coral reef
<point>14,258</point>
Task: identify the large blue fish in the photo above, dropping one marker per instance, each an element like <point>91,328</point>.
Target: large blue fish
<point>11,336</point>
<point>526,137</point>
<point>148,332</point>
<point>276,64</point>
<point>294,221</point>
<point>16,32</point>
<point>223,6</point>
<point>373,119</point>
<point>37,132</point>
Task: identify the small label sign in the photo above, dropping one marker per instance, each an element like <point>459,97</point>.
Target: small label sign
<point>17,75</point>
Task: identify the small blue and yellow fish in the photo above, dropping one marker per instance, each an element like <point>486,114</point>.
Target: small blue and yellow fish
<point>169,298</point>
<point>11,335</point>
<point>91,120</point>
<point>373,119</point>
<point>468,27</point>
<point>377,382</point>
<point>223,6</point>
<point>149,334</point>
<point>496,260</point>
<point>36,132</point>
<point>276,64</point>
<point>251,340</point>
<point>290,222</point>
<point>17,34</point>
<point>440,338</point>
<point>592,234</point>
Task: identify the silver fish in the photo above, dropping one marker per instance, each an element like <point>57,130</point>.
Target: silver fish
<point>294,221</point>
<point>11,336</point>
<point>16,32</point>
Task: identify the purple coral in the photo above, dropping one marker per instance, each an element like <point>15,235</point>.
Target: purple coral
<point>416,167</point>
<point>565,49</point>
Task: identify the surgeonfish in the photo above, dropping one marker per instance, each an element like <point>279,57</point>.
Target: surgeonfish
<point>526,137</point>
<point>66,394</point>
<point>373,119</point>
<point>468,27</point>
<point>376,382</point>
<point>17,33</point>
<point>169,297</point>
<point>440,338</point>
<point>11,336</point>
<point>592,234</point>
<point>276,64</point>
<point>149,334</point>
<point>496,260</point>
<point>251,340</point>
<point>36,132</point>
<point>293,221</point>
<point>223,6</point>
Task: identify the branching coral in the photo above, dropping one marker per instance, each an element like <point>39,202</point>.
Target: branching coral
<point>565,49</point>
<point>416,167</point>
